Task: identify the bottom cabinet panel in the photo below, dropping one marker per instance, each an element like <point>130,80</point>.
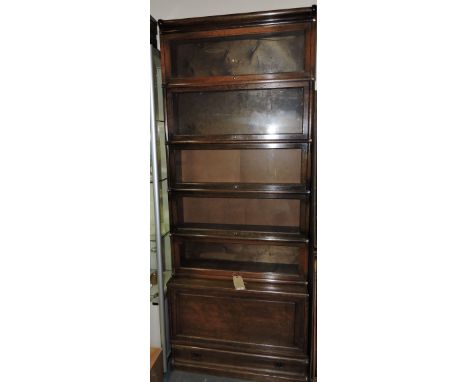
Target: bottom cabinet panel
<point>255,320</point>
<point>241,365</point>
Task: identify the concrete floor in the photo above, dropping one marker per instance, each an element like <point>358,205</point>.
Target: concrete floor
<point>183,376</point>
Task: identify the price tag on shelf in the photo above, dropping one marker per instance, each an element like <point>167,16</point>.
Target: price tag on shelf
<point>238,282</point>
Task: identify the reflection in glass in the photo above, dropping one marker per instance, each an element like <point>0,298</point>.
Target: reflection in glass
<point>241,257</point>
<point>239,55</point>
<point>258,111</point>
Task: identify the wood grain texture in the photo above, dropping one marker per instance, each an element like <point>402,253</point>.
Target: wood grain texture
<point>263,319</point>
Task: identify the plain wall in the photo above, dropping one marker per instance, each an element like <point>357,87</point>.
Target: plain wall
<point>179,9</point>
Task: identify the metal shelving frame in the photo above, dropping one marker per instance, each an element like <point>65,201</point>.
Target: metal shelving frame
<point>156,212</point>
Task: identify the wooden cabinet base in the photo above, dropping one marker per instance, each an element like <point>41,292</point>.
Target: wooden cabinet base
<point>253,367</point>
<point>257,334</point>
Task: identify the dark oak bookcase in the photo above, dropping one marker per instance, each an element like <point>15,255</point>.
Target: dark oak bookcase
<point>240,125</point>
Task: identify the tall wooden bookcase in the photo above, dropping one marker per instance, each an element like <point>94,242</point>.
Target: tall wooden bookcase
<point>240,125</point>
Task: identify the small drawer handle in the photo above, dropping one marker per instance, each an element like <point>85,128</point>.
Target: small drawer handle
<point>279,365</point>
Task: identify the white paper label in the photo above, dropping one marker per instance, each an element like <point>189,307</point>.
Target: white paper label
<point>238,282</point>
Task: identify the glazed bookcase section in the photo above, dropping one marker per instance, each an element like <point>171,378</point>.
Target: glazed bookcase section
<point>252,52</point>
<point>256,111</point>
<point>240,114</point>
<point>241,167</point>
<point>259,259</point>
<point>267,213</point>
<point>269,53</point>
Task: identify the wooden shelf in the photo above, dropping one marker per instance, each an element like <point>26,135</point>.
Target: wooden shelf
<point>266,235</point>
<point>254,189</point>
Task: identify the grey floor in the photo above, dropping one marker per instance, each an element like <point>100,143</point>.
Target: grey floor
<point>183,376</point>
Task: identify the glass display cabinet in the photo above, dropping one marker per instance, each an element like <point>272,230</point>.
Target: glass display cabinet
<point>162,182</point>
<point>159,215</point>
<point>240,128</point>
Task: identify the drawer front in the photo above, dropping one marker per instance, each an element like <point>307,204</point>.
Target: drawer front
<point>274,324</point>
<point>268,366</point>
<point>238,52</point>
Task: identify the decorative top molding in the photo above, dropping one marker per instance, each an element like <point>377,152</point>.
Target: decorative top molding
<point>238,20</point>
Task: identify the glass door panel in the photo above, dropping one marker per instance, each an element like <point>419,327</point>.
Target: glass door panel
<point>273,111</point>
<point>274,214</point>
<point>238,55</point>
<point>265,166</point>
<point>242,257</point>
